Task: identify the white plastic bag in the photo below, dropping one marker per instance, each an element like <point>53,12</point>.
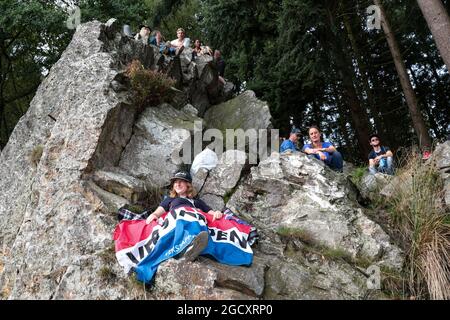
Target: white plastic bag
<point>206,159</point>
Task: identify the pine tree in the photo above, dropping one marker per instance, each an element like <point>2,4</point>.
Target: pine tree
<point>410,96</point>
<point>439,24</point>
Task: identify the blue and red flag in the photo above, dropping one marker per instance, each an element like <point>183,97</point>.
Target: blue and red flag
<point>141,247</point>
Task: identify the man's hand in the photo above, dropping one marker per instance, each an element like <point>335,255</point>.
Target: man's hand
<point>151,218</point>
<point>377,159</point>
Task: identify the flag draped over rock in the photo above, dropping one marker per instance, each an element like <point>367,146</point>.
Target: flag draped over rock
<point>141,247</point>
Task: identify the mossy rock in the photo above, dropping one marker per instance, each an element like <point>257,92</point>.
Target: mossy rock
<point>244,111</point>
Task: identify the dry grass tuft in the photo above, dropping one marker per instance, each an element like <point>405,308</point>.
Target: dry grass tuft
<point>35,155</point>
<point>421,218</point>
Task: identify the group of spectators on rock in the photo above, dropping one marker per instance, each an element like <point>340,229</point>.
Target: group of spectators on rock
<point>380,158</point>
<point>176,46</point>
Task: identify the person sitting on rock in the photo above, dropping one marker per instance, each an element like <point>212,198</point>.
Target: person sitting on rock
<point>220,63</point>
<point>200,50</point>
<point>158,41</point>
<point>290,145</point>
<point>324,151</point>
<point>144,34</point>
<point>380,158</point>
<point>182,194</point>
<point>180,42</point>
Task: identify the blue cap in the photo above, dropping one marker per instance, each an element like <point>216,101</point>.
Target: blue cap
<point>296,131</point>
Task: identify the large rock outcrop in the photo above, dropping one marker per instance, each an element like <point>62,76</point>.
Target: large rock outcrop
<point>313,226</point>
<point>53,224</point>
<point>84,149</point>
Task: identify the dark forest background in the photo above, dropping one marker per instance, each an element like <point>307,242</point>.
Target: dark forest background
<point>315,61</point>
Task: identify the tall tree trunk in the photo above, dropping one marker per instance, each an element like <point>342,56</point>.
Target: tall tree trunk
<point>431,118</point>
<point>344,67</point>
<point>317,113</point>
<point>429,111</point>
<point>439,23</point>
<point>342,119</point>
<point>371,101</point>
<point>410,96</point>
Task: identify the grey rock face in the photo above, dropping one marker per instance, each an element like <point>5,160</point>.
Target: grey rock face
<point>214,201</point>
<point>58,211</point>
<point>200,81</point>
<point>245,112</point>
<point>119,183</point>
<point>198,180</point>
<point>180,280</point>
<point>248,280</point>
<point>294,194</point>
<point>372,184</point>
<point>441,157</point>
<point>105,201</point>
<point>189,108</point>
<point>224,177</point>
<point>51,228</point>
<point>159,134</point>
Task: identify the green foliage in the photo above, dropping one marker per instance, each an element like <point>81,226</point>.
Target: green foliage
<point>293,53</point>
<point>296,233</point>
<point>151,87</point>
<point>394,283</point>
<point>32,37</point>
<point>171,15</point>
<point>357,175</point>
<point>240,29</point>
<point>132,12</point>
<point>107,274</point>
<point>312,245</point>
<point>108,256</point>
<point>150,201</point>
<point>227,196</point>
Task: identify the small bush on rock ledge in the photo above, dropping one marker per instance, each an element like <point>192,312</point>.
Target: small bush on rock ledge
<point>35,155</point>
<point>151,88</point>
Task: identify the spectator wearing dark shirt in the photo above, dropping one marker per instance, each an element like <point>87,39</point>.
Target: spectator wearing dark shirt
<point>182,194</point>
<point>144,34</point>
<point>220,65</point>
<point>381,157</point>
